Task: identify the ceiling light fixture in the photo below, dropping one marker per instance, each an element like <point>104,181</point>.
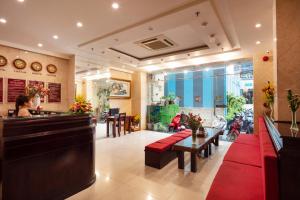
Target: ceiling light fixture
<point>21,1</point>
<point>79,24</point>
<point>3,21</point>
<point>258,25</point>
<point>40,45</point>
<point>258,42</point>
<point>55,37</point>
<point>115,5</point>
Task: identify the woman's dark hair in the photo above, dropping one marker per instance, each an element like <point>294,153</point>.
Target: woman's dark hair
<point>20,101</point>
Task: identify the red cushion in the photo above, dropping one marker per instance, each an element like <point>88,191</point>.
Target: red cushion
<point>182,135</point>
<point>176,138</point>
<point>236,182</point>
<point>250,139</point>
<point>158,147</point>
<point>168,140</point>
<point>244,154</point>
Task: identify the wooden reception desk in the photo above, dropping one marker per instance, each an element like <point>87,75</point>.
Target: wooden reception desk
<point>46,157</point>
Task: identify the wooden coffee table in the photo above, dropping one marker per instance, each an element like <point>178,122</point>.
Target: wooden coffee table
<point>200,144</point>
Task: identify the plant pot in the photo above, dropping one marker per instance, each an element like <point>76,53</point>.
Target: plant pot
<point>194,136</point>
<point>294,125</point>
<point>150,126</point>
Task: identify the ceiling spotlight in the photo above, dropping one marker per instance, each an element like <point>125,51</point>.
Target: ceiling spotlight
<point>55,37</point>
<point>21,1</point>
<point>115,5</point>
<point>3,21</point>
<point>258,25</point>
<point>204,24</point>
<point>40,45</point>
<point>258,42</point>
<point>79,24</point>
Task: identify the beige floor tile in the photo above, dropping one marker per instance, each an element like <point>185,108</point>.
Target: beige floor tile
<point>122,174</point>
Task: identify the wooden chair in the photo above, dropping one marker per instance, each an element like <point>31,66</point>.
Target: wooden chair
<point>121,123</point>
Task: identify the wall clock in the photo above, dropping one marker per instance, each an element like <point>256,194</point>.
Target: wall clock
<point>51,68</point>
<point>19,63</point>
<point>36,66</point>
<point>3,61</point>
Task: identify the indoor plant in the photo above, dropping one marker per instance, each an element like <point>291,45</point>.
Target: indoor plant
<point>235,105</point>
<point>294,103</point>
<point>194,122</point>
<point>269,93</point>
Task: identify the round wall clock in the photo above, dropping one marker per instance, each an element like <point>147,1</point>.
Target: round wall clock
<point>3,61</point>
<point>51,68</point>
<point>36,66</point>
<point>19,63</point>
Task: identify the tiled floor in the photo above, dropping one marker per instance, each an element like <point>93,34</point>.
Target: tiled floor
<point>122,174</point>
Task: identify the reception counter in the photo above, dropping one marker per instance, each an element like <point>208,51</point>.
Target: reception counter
<point>46,157</point>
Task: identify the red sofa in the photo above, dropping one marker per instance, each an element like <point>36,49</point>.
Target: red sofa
<point>160,153</point>
<point>249,170</point>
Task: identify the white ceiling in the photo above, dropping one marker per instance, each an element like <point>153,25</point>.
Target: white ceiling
<point>231,21</point>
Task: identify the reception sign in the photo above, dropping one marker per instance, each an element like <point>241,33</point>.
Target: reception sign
<point>55,92</point>
<point>33,83</point>
<point>1,90</point>
<point>15,87</point>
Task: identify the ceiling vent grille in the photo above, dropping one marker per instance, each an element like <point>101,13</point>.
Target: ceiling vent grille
<point>160,42</point>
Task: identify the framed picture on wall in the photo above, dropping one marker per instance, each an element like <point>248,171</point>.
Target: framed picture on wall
<point>120,89</point>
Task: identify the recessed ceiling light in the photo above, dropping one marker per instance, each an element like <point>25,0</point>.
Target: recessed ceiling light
<point>55,37</point>
<point>258,42</point>
<point>79,24</point>
<point>115,5</point>
<point>258,25</point>
<point>21,1</point>
<point>40,44</point>
<point>3,21</point>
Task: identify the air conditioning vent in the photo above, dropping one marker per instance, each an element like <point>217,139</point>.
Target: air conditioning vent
<point>156,43</point>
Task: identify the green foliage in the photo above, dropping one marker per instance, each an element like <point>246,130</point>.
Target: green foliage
<point>294,100</point>
<point>234,105</point>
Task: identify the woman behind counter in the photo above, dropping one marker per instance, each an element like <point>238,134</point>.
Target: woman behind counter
<point>23,103</point>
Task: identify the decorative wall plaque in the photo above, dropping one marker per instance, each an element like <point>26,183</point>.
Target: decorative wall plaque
<point>55,92</point>
<point>3,61</point>
<point>51,68</point>
<point>15,87</point>
<point>19,63</point>
<point>36,66</point>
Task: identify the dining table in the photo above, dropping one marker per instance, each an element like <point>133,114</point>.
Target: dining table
<point>114,120</point>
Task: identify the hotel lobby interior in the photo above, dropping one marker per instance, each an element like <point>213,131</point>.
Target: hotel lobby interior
<point>149,99</point>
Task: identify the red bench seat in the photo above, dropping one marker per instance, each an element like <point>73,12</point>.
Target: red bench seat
<point>250,139</point>
<point>237,182</point>
<point>244,154</point>
<point>249,170</point>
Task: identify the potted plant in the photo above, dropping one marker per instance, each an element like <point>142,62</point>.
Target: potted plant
<point>136,122</point>
<point>194,122</point>
<point>294,103</point>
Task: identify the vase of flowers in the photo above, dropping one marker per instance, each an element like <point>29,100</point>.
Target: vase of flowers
<point>81,106</point>
<point>269,94</point>
<point>36,91</point>
<point>294,103</point>
<point>194,122</point>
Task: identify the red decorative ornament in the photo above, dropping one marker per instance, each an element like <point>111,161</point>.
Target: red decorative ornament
<point>265,58</point>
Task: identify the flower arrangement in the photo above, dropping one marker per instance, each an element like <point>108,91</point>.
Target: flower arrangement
<point>37,89</point>
<point>81,106</point>
<point>294,101</point>
<point>269,93</point>
<point>136,119</point>
<point>194,121</point>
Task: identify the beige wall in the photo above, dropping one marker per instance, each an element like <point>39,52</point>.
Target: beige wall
<point>288,53</point>
<point>139,96</point>
<point>262,72</point>
<point>65,75</point>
